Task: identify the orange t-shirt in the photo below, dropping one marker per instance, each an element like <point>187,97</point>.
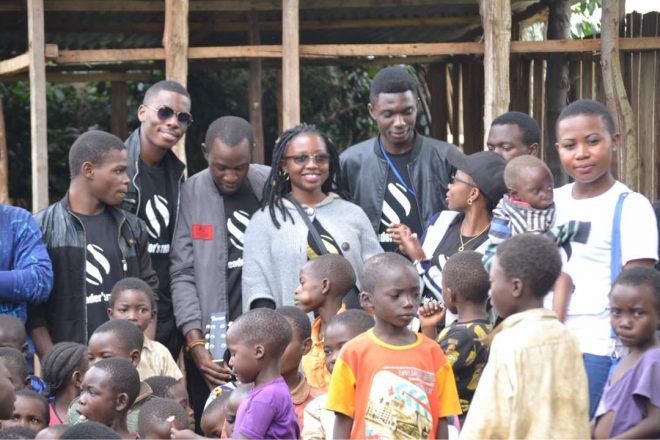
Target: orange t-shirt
<point>313,363</point>
<point>393,391</point>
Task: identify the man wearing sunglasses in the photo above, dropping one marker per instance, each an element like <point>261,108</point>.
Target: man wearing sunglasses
<point>400,176</point>
<point>156,175</point>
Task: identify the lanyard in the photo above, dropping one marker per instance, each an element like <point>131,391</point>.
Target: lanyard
<point>394,170</point>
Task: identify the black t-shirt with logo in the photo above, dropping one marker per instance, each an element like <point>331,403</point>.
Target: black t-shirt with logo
<point>103,265</point>
<point>157,211</point>
<point>399,204</point>
<point>239,208</point>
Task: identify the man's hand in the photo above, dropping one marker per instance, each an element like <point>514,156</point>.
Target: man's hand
<point>214,374</point>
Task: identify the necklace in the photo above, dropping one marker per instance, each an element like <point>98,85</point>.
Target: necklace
<point>461,248</point>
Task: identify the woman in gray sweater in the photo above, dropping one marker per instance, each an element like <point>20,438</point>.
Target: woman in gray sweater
<point>305,170</point>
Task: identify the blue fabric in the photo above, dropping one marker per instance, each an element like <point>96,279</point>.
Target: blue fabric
<point>26,274</point>
<point>598,368</point>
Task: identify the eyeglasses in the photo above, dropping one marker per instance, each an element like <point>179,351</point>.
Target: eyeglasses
<point>164,113</point>
<point>303,159</point>
<point>454,179</point>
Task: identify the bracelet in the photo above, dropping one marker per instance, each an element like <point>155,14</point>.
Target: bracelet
<point>194,344</point>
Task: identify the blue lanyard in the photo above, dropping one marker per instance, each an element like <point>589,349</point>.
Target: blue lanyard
<point>394,170</point>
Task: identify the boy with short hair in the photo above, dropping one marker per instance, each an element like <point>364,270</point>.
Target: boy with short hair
<point>324,281</point>
<point>465,288</point>
<point>88,239</point>
<point>117,339</point>
<point>256,341</point>
<point>109,389</point>
<point>16,366</point>
<point>30,411</point>
<point>534,385</point>
<point>318,422</point>
<point>301,392</point>
<point>390,373</point>
<point>170,388</point>
<point>158,416</point>
<point>132,299</point>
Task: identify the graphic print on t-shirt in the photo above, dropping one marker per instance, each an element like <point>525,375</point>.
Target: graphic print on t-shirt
<point>97,267</point>
<point>157,217</point>
<point>396,205</point>
<point>398,406</point>
<point>236,225</point>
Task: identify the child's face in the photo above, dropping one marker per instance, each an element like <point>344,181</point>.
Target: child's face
<point>212,422</point>
<point>501,290</point>
<point>7,395</point>
<point>179,394</point>
<point>134,306</point>
<point>108,181</point>
<point>447,298</point>
<point>233,403</point>
<point>106,345</point>
<point>293,353</point>
<point>534,185</point>
<point>634,314</point>
<point>506,140</point>
<point>28,412</point>
<point>336,335</point>
<point>243,358</point>
<point>396,297</point>
<point>98,401</point>
<point>585,147</point>
<point>308,296</point>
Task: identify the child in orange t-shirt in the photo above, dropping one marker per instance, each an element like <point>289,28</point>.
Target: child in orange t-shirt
<point>324,281</point>
<point>389,381</point>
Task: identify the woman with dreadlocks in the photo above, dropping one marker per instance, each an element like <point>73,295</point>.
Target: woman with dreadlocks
<point>279,240</point>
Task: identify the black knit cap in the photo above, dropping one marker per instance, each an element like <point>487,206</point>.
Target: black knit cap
<point>486,168</point>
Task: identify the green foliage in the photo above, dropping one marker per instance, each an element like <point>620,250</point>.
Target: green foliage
<point>585,18</point>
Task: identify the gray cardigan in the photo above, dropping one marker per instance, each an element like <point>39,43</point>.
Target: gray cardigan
<point>198,266</point>
<point>273,257</point>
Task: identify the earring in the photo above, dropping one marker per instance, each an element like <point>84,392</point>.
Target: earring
<point>285,176</point>
<point>469,201</point>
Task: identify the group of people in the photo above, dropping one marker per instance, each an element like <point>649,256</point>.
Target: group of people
<point>400,289</point>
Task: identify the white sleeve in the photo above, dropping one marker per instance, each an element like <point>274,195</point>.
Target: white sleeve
<point>639,230</point>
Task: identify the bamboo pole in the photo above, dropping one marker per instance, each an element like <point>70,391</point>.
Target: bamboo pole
<point>290,64</point>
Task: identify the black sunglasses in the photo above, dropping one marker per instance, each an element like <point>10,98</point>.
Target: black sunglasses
<point>164,113</point>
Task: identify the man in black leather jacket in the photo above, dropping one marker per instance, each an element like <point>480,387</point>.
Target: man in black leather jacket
<point>156,175</point>
<point>91,243</point>
<point>399,176</point>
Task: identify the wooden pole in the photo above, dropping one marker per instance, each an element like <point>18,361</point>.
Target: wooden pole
<point>496,20</point>
<point>119,117</point>
<point>290,64</point>
<point>254,91</point>
<point>615,93</point>
<point>175,42</point>
<point>4,160</point>
<point>437,80</point>
<point>556,85</point>
<point>38,131</point>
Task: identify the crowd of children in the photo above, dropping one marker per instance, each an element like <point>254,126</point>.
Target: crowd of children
<point>559,310</point>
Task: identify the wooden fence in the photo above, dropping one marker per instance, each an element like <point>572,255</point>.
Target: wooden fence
<point>459,84</point>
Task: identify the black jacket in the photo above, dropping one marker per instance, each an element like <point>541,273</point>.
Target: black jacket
<point>131,203</point>
<point>65,312</point>
<point>365,173</point>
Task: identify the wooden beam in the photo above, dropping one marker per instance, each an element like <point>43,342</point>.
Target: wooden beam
<point>437,81</point>
<point>615,93</point>
<point>496,19</point>
<point>38,120</point>
<point>21,62</point>
<point>254,92</point>
<point>290,64</point>
<point>213,5</point>
<point>81,77</point>
<point>118,104</point>
<point>175,42</point>
<point>348,50</point>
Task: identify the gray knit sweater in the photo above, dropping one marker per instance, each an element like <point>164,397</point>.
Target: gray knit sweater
<point>273,257</point>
